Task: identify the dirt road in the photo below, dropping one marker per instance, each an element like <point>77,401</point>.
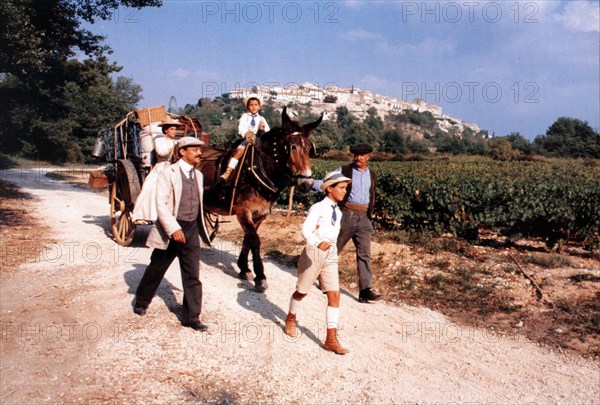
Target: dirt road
<point>69,333</point>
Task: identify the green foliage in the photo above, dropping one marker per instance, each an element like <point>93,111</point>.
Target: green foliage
<point>501,149</point>
<point>344,118</point>
<point>570,137</point>
<point>394,142</point>
<point>518,199</point>
<point>422,119</point>
<point>519,143</point>
<point>60,123</point>
<point>53,104</point>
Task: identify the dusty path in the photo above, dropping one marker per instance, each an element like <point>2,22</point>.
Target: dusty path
<point>69,333</point>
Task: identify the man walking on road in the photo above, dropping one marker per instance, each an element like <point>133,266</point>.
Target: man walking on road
<point>176,234</point>
<point>356,224</point>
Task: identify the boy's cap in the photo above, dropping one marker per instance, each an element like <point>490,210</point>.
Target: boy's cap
<point>361,149</point>
<point>189,141</point>
<point>333,178</point>
<point>252,97</point>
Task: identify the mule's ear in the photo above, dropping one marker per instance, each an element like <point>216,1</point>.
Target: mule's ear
<point>308,128</point>
<point>286,122</point>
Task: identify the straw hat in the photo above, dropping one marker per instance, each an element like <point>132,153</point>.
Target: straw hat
<point>170,122</point>
<point>333,178</point>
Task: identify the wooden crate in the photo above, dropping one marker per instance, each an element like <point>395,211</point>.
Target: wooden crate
<point>151,114</point>
<point>98,180</point>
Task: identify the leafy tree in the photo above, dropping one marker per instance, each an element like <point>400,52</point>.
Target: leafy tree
<point>344,117</point>
<point>61,123</point>
<point>38,36</point>
<point>359,132</point>
<point>327,137</point>
<point>570,137</point>
<point>52,103</point>
<point>425,119</point>
<point>416,146</point>
<point>393,141</point>
<point>501,149</point>
<point>449,144</point>
<point>474,143</point>
<point>373,121</point>
<point>519,142</point>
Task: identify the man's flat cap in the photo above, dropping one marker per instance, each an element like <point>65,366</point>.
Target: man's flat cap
<point>361,149</point>
<point>189,141</point>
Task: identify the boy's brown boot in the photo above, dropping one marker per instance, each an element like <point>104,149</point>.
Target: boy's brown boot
<point>290,325</point>
<point>332,344</point>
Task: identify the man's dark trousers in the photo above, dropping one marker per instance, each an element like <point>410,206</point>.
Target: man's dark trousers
<point>360,229</point>
<point>188,254</point>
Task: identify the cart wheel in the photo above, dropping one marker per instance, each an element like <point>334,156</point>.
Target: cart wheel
<point>212,222</point>
<point>123,193</point>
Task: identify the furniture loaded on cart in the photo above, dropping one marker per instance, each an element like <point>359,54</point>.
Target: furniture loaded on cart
<point>129,152</point>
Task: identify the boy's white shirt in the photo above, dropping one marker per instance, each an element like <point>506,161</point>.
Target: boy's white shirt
<point>317,226</point>
<point>244,125</point>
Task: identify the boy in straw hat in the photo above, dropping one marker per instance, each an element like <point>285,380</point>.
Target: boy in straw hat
<point>250,124</point>
<point>319,258</point>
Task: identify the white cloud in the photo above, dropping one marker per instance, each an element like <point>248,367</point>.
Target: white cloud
<point>581,16</point>
<point>358,35</point>
<point>355,4</point>
<point>373,82</point>
<point>181,73</point>
<point>203,74</point>
<point>428,46</point>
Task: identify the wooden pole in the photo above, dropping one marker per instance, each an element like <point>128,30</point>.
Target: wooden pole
<point>291,200</point>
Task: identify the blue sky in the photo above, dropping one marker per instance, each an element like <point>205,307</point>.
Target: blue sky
<point>505,65</point>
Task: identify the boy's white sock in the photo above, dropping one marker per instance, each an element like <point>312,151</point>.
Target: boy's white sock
<point>233,163</point>
<point>294,305</point>
<point>332,315</point>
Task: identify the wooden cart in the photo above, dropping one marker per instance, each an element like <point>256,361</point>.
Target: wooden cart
<point>129,164</point>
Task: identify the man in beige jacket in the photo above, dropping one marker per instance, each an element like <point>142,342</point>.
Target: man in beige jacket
<point>179,192</point>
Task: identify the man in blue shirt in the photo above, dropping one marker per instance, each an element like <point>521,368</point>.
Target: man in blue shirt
<point>357,208</point>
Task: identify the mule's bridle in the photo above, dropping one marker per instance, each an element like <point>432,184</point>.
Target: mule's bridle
<point>290,174</point>
<point>307,148</point>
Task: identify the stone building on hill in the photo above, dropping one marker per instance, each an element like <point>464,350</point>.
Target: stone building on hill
<point>327,100</point>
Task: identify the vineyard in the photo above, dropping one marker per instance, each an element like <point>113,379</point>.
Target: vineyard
<point>554,201</point>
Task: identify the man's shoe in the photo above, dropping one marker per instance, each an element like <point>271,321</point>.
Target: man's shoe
<point>139,310</point>
<point>367,295</point>
<point>196,325</point>
<point>261,286</point>
<point>225,176</point>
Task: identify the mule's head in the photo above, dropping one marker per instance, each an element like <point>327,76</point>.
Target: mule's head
<point>299,149</point>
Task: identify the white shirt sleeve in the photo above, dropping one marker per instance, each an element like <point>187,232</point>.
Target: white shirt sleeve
<point>309,228</point>
<point>244,124</point>
<point>163,146</point>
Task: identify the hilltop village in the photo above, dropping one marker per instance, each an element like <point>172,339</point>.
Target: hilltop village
<point>326,100</point>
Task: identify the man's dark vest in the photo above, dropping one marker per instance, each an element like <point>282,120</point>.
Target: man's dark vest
<point>189,206</point>
<point>347,171</point>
